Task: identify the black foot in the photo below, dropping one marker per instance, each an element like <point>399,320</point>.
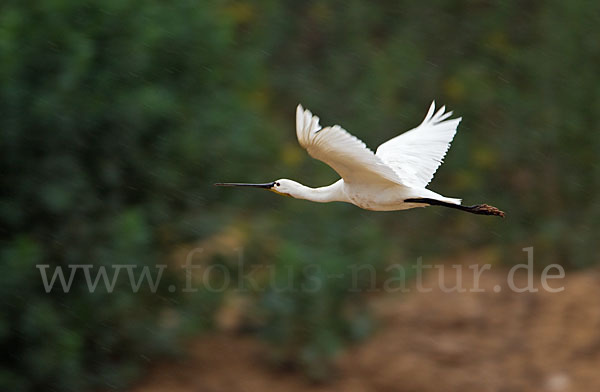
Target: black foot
<point>485,209</point>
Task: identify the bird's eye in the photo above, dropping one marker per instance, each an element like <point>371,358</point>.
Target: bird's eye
<point>277,183</point>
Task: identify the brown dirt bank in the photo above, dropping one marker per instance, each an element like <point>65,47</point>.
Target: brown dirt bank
<point>433,341</point>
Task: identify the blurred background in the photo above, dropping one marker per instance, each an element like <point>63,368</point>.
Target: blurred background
<point>118,116</point>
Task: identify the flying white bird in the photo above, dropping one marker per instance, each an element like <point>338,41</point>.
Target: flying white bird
<point>392,178</point>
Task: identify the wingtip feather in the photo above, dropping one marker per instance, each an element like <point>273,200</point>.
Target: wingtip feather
<point>430,112</point>
<point>445,116</point>
<point>299,118</point>
<point>440,112</point>
<point>307,118</point>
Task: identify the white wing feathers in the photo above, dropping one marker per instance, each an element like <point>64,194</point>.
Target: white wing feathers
<point>416,154</point>
<point>346,154</point>
<point>410,159</point>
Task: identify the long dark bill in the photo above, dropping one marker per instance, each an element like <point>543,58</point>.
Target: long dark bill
<point>267,185</point>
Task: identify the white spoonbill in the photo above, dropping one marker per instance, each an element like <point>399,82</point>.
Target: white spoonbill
<point>392,178</point>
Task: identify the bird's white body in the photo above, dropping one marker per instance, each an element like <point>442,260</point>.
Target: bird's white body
<point>393,178</point>
<point>374,196</point>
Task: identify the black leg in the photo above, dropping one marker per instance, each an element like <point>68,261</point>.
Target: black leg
<point>481,209</point>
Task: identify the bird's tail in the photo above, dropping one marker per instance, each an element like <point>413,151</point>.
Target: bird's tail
<point>429,194</point>
<point>451,200</point>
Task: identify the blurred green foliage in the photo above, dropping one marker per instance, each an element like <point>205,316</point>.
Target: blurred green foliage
<point>117,116</point>
<point>107,109</point>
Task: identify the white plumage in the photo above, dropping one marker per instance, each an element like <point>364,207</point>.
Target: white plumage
<point>393,178</point>
<point>416,154</point>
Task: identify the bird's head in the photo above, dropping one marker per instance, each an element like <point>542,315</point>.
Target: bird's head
<point>283,186</point>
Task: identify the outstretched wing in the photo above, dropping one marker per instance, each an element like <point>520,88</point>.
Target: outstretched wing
<point>346,154</point>
<point>416,154</point>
